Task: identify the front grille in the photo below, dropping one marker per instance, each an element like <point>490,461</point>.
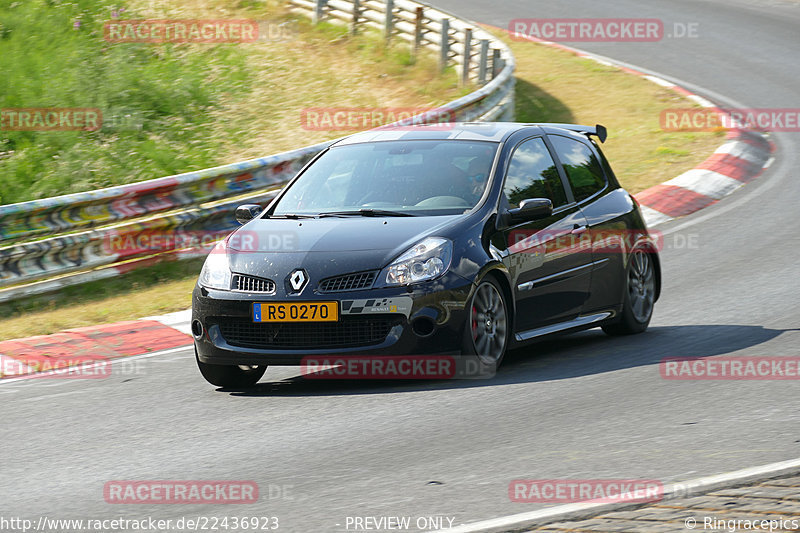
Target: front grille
<point>348,282</point>
<point>252,284</point>
<point>348,332</point>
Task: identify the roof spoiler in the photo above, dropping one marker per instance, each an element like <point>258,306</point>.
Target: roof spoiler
<point>598,131</point>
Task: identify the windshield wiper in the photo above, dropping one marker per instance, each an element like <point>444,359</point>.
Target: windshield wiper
<point>292,216</point>
<point>367,213</point>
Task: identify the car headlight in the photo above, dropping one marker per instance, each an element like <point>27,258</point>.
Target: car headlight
<point>216,273</point>
<point>424,261</point>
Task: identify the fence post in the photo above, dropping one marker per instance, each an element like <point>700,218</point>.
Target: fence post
<point>418,18</point>
<point>418,26</point>
<point>467,56</point>
<point>444,55</point>
<point>356,14</point>
<point>496,67</point>
<point>319,11</point>
<point>389,24</point>
<point>483,61</point>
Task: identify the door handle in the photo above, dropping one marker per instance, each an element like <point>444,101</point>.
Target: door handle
<point>577,229</point>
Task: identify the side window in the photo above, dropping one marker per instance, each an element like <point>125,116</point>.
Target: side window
<point>532,173</point>
<point>582,167</point>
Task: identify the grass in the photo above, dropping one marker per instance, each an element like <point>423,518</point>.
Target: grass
<point>172,108</point>
<point>325,67</point>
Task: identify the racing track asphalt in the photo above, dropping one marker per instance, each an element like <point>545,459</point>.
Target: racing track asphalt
<point>587,406</point>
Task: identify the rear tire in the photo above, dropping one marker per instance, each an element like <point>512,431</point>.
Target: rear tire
<point>230,376</point>
<point>640,295</point>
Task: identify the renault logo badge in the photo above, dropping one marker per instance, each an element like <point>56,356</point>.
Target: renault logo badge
<point>297,281</point>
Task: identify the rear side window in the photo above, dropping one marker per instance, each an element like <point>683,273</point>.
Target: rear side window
<point>532,173</point>
<point>581,165</point>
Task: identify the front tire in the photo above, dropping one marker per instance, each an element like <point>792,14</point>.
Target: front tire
<point>640,296</point>
<point>230,376</point>
<point>488,328</point>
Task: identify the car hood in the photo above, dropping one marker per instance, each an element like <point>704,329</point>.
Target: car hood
<point>273,248</point>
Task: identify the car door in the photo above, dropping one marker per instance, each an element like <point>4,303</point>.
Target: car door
<point>606,214</point>
<point>550,278</point>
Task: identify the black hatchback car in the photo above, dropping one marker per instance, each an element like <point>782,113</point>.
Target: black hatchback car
<point>466,238</point>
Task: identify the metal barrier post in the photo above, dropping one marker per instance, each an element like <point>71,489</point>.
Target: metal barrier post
<point>467,56</point>
<point>483,61</point>
<point>497,68</point>
<point>356,14</point>
<point>389,23</point>
<point>444,55</point>
<point>319,12</point>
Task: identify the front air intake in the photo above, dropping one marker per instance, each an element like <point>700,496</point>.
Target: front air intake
<point>242,283</point>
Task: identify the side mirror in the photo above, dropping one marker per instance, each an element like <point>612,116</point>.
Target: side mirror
<point>530,209</point>
<point>246,213</point>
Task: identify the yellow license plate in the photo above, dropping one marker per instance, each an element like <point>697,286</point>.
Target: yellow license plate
<point>296,312</point>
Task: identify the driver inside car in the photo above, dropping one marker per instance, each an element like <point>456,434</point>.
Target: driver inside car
<point>478,175</point>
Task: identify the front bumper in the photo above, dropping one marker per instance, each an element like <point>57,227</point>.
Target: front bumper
<point>392,321</point>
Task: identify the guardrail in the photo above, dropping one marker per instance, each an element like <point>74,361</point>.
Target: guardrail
<point>54,242</point>
<point>423,27</point>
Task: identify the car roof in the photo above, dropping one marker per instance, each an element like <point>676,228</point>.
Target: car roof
<point>464,131</point>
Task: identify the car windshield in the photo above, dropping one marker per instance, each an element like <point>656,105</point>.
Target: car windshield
<point>392,178</point>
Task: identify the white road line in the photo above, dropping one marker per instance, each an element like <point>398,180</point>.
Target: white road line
<point>660,81</point>
<point>581,510</point>
<point>704,102</point>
